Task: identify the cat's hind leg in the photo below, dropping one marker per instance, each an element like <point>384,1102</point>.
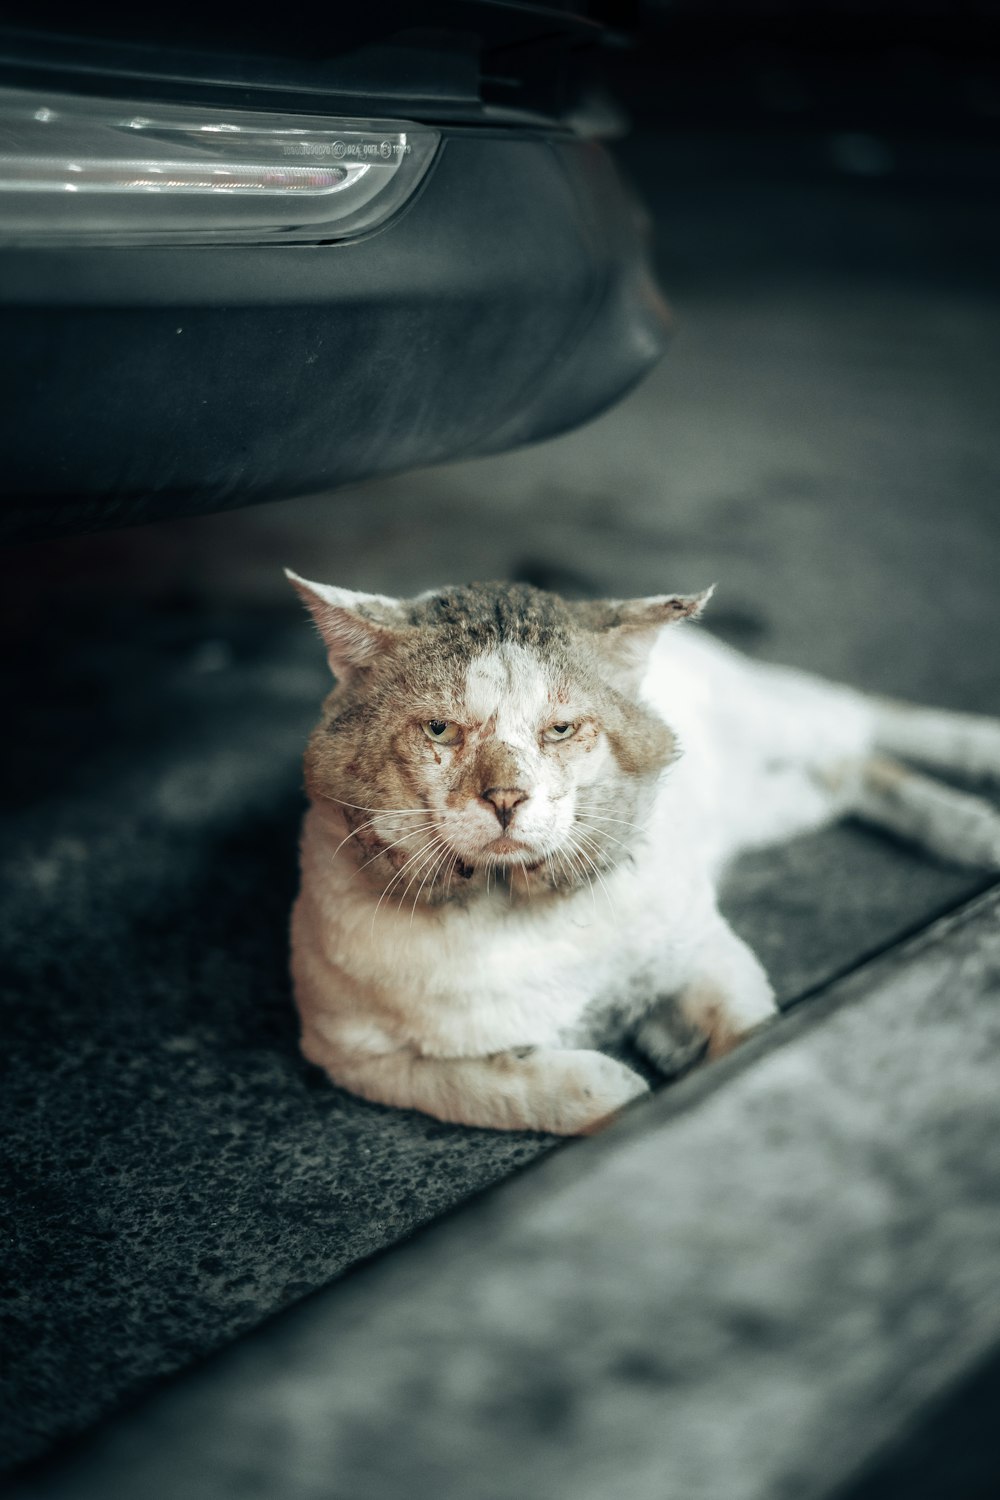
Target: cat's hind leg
<point>953,825</point>
<point>966,745</point>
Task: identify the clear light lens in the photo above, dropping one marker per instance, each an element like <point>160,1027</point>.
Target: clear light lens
<point>79,170</point>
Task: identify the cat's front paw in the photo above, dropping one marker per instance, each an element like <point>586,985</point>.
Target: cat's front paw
<point>587,1090</point>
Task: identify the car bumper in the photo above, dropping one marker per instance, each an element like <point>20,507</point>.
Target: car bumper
<point>509,300</point>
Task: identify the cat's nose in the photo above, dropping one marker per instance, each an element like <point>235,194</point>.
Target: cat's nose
<point>504,800</point>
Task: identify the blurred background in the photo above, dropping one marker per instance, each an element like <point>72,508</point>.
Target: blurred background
<point>821,439</point>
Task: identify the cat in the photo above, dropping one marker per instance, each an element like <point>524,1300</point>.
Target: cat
<point>520,811</point>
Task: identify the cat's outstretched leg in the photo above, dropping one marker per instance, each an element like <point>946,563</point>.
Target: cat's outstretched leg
<point>726,996</point>
<point>542,1088</point>
<point>955,826</point>
<point>965,744</point>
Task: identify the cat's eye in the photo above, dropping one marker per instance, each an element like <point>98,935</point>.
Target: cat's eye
<point>441,731</point>
<point>557,732</point>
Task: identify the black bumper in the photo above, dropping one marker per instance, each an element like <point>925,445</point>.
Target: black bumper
<point>509,300</point>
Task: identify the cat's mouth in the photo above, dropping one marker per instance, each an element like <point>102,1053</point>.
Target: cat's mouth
<point>507,845</point>
<point>502,851</point>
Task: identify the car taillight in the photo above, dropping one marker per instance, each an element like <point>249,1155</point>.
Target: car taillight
<point>82,170</point>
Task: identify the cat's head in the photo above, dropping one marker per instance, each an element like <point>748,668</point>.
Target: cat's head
<point>492,729</point>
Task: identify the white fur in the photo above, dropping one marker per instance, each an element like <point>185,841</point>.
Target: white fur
<point>506,690</point>
<point>434,1007</point>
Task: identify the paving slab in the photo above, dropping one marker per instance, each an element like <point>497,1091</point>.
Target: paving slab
<point>741,1292</point>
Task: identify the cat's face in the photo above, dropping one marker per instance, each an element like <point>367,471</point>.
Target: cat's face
<point>485,731</point>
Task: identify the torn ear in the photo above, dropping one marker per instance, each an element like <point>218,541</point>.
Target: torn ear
<point>627,628</point>
<point>356,628</point>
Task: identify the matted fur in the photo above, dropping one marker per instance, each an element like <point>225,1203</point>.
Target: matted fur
<point>520,808</point>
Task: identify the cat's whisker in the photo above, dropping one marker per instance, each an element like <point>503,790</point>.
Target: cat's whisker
<point>578,871</point>
<point>593,864</point>
<point>603,834</point>
<point>584,875</point>
<point>408,835</point>
<point>569,873</point>
<point>361,828</point>
<point>353,834</point>
<point>422,869</point>
<point>447,863</point>
<point>594,838</point>
<point>571,870</point>
<point>376,810</point>
<point>589,812</point>
<point>398,875</point>
<point>416,859</point>
<point>598,817</point>
<point>594,888</point>
<point>565,869</point>
<point>431,876</point>
<point>565,877</point>
<point>428,852</point>
<point>426,867</point>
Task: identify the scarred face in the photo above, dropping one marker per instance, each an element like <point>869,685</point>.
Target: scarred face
<point>505,770</point>
<point>485,734</point>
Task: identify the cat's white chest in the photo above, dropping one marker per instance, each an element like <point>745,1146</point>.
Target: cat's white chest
<point>493,976</point>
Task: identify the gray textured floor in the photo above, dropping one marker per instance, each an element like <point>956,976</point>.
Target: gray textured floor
<point>822,440</point>
<point>733,1296</point>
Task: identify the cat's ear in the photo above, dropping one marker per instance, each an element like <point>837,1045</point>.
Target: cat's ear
<point>356,628</point>
<point>627,628</point>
